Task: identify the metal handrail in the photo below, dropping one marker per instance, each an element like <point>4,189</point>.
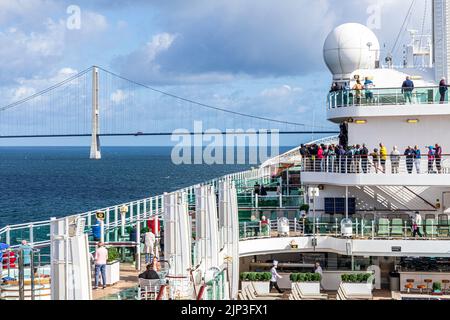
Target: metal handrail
<point>238,176</point>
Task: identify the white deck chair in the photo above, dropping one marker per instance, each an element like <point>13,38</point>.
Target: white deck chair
<point>149,288</point>
<point>309,296</point>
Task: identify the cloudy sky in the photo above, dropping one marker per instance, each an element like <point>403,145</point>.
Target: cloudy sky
<point>232,54</point>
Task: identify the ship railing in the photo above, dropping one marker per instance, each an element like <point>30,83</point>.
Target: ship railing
<point>255,201</point>
<point>374,229</point>
<point>384,96</point>
<point>390,165</point>
<point>38,233</point>
<point>216,288</point>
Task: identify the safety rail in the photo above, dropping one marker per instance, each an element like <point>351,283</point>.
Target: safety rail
<point>377,229</point>
<point>38,233</point>
<point>384,96</point>
<point>390,165</point>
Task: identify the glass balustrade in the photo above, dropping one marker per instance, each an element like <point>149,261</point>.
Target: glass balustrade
<point>384,97</point>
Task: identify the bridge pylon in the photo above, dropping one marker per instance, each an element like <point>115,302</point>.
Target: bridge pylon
<point>95,141</point>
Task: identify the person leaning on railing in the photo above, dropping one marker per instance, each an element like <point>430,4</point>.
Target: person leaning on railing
<point>407,89</point>
<point>410,154</point>
<point>443,88</point>
<point>417,158</point>
<point>395,160</point>
<point>358,87</point>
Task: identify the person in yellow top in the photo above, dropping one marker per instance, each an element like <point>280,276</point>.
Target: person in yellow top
<point>383,157</point>
<point>358,87</point>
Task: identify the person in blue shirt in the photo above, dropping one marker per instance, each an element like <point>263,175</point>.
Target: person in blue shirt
<point>417,158</point>
<point>26,252</point>
<point>407,89</point>
<point>368,85</point>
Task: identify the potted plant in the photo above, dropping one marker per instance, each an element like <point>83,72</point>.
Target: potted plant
<point>112,267</point>
<point>309,283</point>
<point>358,283</point>
<point>437,288</point>
<point>260,280</point>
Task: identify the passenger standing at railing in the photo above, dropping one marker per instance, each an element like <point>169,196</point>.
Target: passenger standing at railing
<point>364,153</point>
<point>417,158</point>
<point>100,258</point>
<point>395,160</point>
<point>358,87</point>
<point>410,155</point>
<point>346,93</point>
<point>26,252</point>
<point>331,158</point>
<point>320,158</point>
<point>375,159</point>
<point>368,85</point>
<point>383,157</point>
<point>431,154</point>
<point>407,89</point>
<point>358,158</point>
<point>438,157</point>
<point>443,88</point>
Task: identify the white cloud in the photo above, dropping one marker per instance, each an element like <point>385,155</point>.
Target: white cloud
<point>118,96</point>
<point>283,91</point>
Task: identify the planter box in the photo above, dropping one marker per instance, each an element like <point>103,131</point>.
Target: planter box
<point>112,273</point>
<point>357,288</point>
<point>262,288</point>
<point>309,288</point>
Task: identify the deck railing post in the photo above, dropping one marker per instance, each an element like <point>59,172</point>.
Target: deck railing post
<point>8,236</point>
<point>245,230</point>
<point>404,232</point>
<point>373,229</point>
<point>107,224</point>
<point>31,233</point>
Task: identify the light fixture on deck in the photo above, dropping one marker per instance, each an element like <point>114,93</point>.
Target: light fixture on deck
<point>412,121</point>
<point>360,121</point>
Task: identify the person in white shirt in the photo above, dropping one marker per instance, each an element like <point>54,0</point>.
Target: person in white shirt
<point>275,277</point>
<point>417,223</point>
<point>149,246</point>
<point>318,269</point>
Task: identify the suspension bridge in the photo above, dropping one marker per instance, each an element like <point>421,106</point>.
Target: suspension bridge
<point>97,102</point>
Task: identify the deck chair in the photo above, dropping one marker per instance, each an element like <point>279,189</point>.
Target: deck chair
<point>252,286</point>
<point>242,296</point>
<point>308,296</point>
<point>252,295</point>
<point>431,227</point>
<point>397,228</point>
<point>383,227</point>
<point>149,288</point>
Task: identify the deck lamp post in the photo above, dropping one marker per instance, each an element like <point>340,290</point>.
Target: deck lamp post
<point>313,193</point>
<point>123,212</point>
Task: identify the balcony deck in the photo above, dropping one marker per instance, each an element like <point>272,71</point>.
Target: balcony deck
<point>342,105</point>
<point>347,171</point>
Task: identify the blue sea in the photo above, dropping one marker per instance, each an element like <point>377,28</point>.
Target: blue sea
<point>37,183</point>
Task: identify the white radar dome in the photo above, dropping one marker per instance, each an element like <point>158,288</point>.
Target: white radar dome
<point>350,47</point>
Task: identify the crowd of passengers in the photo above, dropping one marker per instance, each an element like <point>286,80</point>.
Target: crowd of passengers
<point>358,158</point>
<point>367,86</point>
